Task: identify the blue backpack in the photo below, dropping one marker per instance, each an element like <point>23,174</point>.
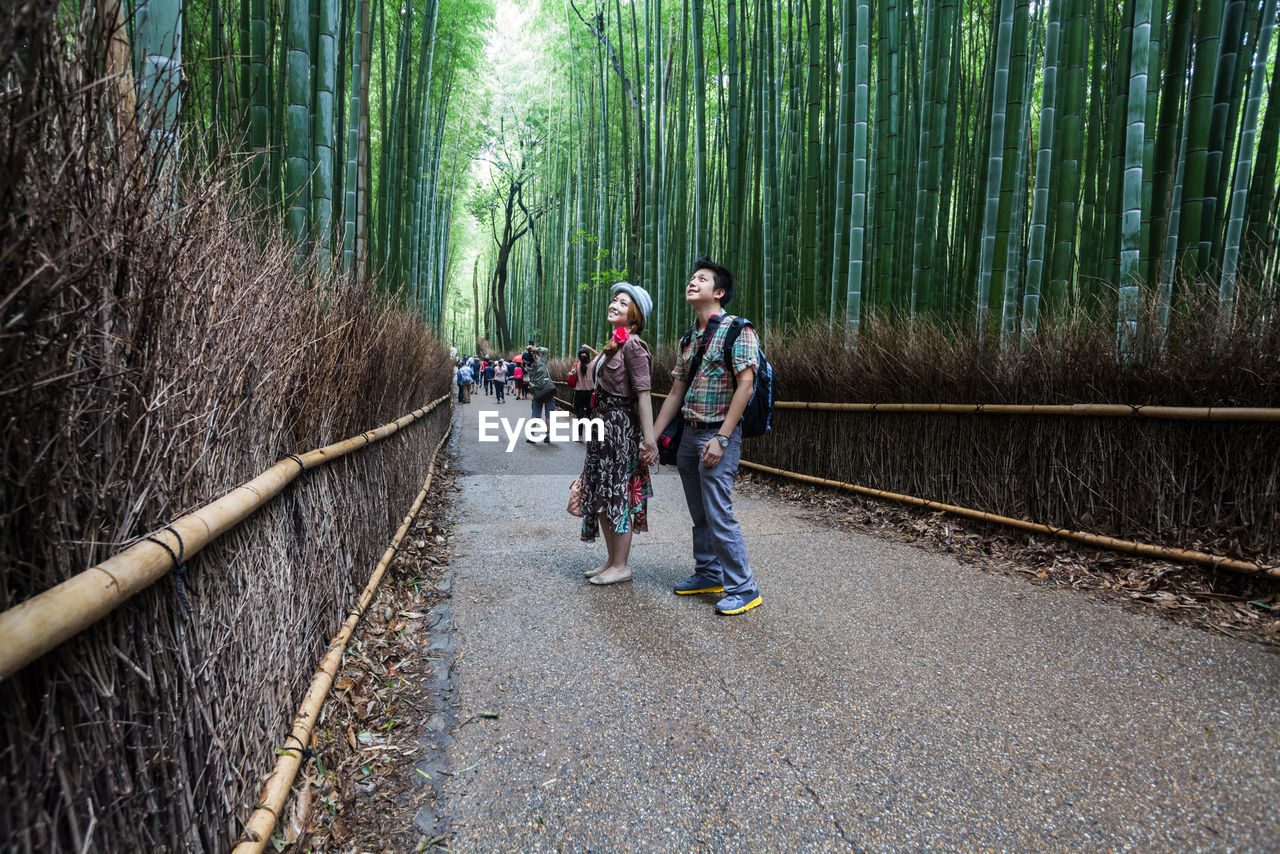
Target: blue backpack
<point>758,417</point>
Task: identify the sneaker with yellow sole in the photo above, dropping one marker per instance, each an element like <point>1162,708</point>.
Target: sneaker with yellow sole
<point>698,584</point>
<point>738,603</point>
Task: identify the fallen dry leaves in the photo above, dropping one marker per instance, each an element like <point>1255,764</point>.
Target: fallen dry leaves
<point>362,790</point>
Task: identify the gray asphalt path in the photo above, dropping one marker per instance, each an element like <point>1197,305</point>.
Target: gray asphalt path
<point>883,698</point>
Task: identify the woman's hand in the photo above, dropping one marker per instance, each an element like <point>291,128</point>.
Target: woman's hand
<point>649,453</point>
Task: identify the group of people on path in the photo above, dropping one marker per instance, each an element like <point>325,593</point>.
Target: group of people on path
<point>498,377</point>
<point>712,385</point>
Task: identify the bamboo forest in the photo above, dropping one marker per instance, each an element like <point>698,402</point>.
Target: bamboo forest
<point>639,425</point>
<point>991,165</point>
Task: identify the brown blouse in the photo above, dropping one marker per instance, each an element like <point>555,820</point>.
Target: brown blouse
<point>626,372</point>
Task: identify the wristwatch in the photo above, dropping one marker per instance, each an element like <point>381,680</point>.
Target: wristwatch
<point>723,439</point>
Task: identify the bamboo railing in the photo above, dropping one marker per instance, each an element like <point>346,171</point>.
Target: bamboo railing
<point>1099,540</point>
<point>30,629</point>
<point>275,791</point>
<point>1083,410</point>
<point>1079,410</point>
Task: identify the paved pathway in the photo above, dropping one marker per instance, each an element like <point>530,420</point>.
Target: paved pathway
<point>883,698</point>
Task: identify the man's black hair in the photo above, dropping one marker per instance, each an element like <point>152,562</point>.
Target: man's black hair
<point>723,278</point>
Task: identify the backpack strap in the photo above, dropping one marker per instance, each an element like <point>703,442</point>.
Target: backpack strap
<point>731,338</point>
<point>695,364</point>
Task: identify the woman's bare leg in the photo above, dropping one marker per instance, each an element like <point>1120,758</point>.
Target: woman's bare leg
<point>606,528</point>
<point>619,553</point>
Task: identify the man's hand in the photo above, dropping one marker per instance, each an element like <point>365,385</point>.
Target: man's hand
<point>649,453</point>
<point>712,453</point>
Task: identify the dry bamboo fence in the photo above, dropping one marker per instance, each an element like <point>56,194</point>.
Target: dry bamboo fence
<point>1112,543</point>
<point>32,628</point>
<point>276,790</point>
<point>1197,485</point>
<point>148,369</point>
<point>1199,481</point>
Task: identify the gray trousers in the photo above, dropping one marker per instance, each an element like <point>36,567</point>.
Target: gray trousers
<point>718,550</point>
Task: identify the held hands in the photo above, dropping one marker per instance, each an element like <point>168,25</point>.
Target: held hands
<point>649,453</point>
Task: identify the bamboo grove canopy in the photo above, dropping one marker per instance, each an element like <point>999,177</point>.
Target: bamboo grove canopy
<point>989,165</point>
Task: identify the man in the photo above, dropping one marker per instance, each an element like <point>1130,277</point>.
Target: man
<point>464,382</point>
<point>488,375</point>
<point>711,444</point>
<point>541,389</point>
<point>477,374</point>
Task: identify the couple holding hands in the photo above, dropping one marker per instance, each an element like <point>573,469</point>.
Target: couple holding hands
<point>710,391</point>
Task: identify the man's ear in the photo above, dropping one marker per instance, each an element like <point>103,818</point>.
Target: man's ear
<point>718,293</point>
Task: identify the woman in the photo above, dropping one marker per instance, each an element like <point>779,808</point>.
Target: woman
<point>500,381</point>
<point>583,379</point>
<point>518,374</point>
<point>615,476</point>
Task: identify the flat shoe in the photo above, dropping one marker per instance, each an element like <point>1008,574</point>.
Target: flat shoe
<point>593,572</point>
<point>612,577</point>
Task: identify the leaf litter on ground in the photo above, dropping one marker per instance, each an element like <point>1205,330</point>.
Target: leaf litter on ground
<point>362,790</point>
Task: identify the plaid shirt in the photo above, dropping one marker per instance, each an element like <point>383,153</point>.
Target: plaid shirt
<point>708,396</point>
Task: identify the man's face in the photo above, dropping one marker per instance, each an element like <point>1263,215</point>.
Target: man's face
<point>702,289</point>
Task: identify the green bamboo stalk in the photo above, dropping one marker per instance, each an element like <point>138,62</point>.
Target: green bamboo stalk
<point>844,155</point>
<point>1228,79</point>
<point>995,163</point>
<point>861,130</point>
<point>1244,162</point>
<point>1135,146</point>
<point>355,192</point>
<point>324,134</point>
<point>926,191</point>
<point>1101,143</point>
<point>1169,263</point>
<point>770,130</point>
<point>1200,118</point>
<point>887,150</point>
<point>298,113</point>
<point>157,27</point>
<point>812,160</point>
<point>701,236</point>
<point>1014,142</point>
<point>1262,189</point>
<point>1167,155</point>
<point>1044,176</point>
<point>259,131</point>
<point>1016,246</point>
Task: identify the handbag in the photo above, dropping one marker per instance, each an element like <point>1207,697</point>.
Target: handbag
<point>546,388</point>
<point>669,440</point>
<point>575,497</point>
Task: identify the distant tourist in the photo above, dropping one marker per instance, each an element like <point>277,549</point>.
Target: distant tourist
<point>583,379</point>
<point>615,475</point>
<point>711,390</point>
<point>464,378</point>
<point>488,376</point>
<point>500,380</point>
<point>538,379</point>
<point>476,373</point>
<point>517,378</point>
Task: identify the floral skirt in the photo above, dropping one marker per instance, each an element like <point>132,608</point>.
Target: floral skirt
<point>614,481</point>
